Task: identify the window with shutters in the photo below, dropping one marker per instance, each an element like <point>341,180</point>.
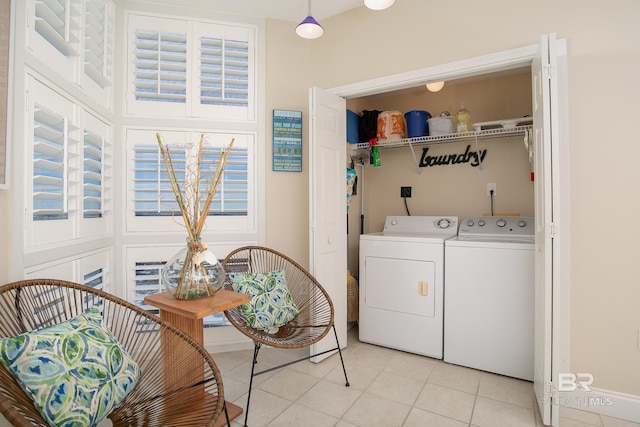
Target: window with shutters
<point>93,269</point>
<point>70,170</point>
<point>145,265</point>
<point>183,68</point>
<point>151,205</point>
<point>59,23</point>
<point>76,36</point>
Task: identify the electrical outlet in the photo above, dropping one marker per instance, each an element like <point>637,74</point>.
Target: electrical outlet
<point>491,186</point>
<point>405,192</point>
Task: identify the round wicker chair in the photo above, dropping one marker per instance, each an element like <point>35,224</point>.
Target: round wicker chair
<point>315,310</point>
<point>180,384</point>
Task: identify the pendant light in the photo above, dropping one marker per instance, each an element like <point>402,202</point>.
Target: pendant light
<point>309,28</point>
<point>378,4</point>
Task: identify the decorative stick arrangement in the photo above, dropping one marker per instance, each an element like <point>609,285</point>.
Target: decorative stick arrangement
<point>194,279</point>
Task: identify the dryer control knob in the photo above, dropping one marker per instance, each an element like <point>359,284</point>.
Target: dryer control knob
<point>470,223</point>
<point>522,223</point>
<point>444,223</point>
<point>394,222</point>
<point>481,223</point>
<point>501,222</point>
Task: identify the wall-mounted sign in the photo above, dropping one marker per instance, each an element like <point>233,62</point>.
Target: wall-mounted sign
<point>287,140</point>
<point>475,157</point>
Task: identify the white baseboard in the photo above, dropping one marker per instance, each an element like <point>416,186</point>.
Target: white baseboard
<point>604,402</point>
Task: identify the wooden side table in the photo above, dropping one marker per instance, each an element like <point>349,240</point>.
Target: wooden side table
<point>187,316</point>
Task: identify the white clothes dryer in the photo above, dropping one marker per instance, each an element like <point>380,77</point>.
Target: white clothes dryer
<point>401,283</point>
<point>489,296</point>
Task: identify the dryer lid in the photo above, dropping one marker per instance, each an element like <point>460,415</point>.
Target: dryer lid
<point>437,226</point>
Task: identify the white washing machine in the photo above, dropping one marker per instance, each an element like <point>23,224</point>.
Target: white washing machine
<point>489,294</point>
<point>401,283</point>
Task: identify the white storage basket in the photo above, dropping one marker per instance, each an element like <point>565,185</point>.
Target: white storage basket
<point>441,125</point>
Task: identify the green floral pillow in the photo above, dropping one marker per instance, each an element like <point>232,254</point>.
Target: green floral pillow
<point>76,372</point>
<point>270,305</point>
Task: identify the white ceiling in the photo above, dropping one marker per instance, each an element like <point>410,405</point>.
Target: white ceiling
<point>285,10</point>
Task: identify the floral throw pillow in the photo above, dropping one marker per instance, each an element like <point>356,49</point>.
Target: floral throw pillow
<point>270,305</point>
<point>76,372</point>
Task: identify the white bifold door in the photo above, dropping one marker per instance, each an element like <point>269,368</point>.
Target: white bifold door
<point>547,69</point>
<point>327,206</point>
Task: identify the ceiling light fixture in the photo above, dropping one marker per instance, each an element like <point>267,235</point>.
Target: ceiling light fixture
<point>309,28</point>
<point>435,86</point>
<point>378,4</point>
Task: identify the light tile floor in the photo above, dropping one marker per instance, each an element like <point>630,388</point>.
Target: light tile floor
<point>388,388</point>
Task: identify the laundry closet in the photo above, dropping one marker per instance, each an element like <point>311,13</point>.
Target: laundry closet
<point>475,177</point>
<point>452,189</point>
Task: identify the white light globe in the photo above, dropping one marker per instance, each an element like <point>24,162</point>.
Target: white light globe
<point>378,4</point>
<point>309,28</point>
<point>435,86</point>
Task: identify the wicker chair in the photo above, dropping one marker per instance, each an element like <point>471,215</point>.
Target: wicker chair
<point>315,309</point>
<point>165,394</point>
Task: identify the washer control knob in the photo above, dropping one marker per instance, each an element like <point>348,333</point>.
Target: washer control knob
<point>444,223</point>
<point>394,222</point>
<point>470,223</point>
<point>501,222</point>
<point>522,223</point>
<point>481,223</point>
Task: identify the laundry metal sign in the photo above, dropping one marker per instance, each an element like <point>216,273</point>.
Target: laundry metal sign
<point>474,157</point>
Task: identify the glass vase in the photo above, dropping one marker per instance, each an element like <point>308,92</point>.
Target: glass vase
<point>187,275</point>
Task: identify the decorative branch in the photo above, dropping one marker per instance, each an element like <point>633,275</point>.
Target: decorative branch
<point>188,200</point>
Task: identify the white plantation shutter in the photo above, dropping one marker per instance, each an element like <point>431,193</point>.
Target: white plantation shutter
<point>58,21</point>
<point>151,204</point>
<point>55,34</point>
<point>54,167</point>
<point>70,170</point>
<point>224,72</point>
<point>182,68</point>
<point>160,66</point>
<point>224,60</point>
<point>94,279</point>
<point>50,165</point>
<point>147,265</point>
<point>93,269</point>
<point>74,39</point>
<point>147,281</point>
<point>97,177</point>
<point>153,195</point>
<point>92,175</point>
<point>97,39</point>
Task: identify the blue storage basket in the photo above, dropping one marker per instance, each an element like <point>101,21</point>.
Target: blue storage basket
<point>352,127</point>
